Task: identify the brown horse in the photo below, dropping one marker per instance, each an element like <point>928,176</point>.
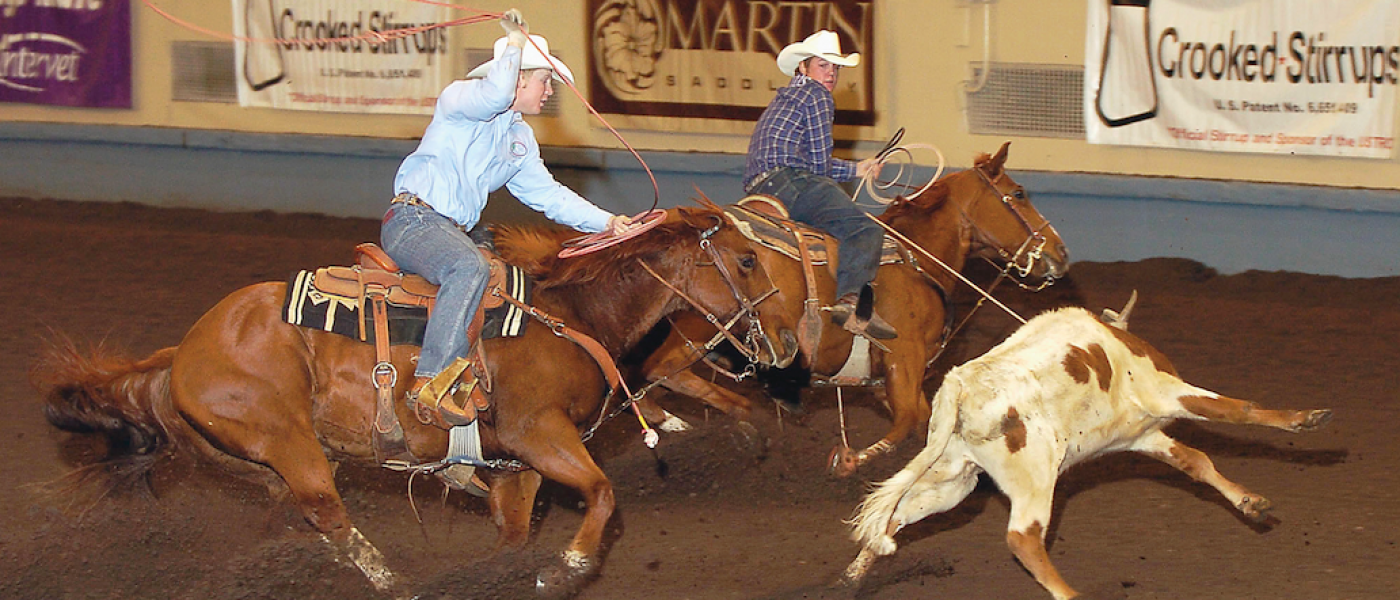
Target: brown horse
<point>272,401</point>
<point>978,212</point>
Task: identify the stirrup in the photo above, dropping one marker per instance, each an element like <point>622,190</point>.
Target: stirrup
<point>464,478</point>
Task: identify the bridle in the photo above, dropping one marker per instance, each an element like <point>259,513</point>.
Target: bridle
<point>1031,250</point>
<point>755,337</point>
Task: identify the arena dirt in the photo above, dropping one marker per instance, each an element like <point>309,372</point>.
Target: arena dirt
<point>712,516</point>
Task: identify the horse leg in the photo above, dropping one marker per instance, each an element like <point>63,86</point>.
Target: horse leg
<point>662,418</point>
<point>234,405</point>
<point>553,448</point>
<point>904,375</point>
<point>512,501</point>
<point>670,364</point>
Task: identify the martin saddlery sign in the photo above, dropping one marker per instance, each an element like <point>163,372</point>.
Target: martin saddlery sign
<point>1272,76</point>
<point>715,59</point>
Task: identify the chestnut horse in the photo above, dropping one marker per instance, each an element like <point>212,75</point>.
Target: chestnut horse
<point>978,212</point>
<point>272,401</point>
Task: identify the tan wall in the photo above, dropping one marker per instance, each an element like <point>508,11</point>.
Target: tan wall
<point>925,51</point>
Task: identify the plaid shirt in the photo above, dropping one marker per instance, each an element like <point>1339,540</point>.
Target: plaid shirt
<point>795,131</point>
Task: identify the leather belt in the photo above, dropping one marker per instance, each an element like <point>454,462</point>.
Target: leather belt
<point>762,177</point>
<point>410,199</point>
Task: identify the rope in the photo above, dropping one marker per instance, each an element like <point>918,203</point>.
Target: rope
<point>374,36</point>
<point>870,184</point>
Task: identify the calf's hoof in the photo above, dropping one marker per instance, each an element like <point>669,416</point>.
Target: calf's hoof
<point>1314,420</point>
<point>1255,507</point>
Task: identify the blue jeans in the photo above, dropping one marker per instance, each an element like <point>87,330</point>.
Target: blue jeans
<point>820,202</point>
<point>424,242</point>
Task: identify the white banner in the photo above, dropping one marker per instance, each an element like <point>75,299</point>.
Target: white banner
<point>333,56</point>
<point>1272,76</point>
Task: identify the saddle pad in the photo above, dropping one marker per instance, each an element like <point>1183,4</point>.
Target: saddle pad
<point>308,306</point>
<point>773,233</point>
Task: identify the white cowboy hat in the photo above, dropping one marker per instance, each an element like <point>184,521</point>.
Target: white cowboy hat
<point>532,58</point>
<point>823,44</point>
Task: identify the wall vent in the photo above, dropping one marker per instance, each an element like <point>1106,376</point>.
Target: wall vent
<point>1032,100</point>
<point>202,72</point>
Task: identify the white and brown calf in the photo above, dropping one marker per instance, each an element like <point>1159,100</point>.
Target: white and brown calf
<point>1062,389</point>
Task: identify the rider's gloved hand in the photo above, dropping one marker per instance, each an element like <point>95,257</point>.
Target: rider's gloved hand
<point>618,225</point>
<point>516,29</point>
<point>870,165</point>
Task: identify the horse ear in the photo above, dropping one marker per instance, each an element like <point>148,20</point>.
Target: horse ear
<point>998,162</point>
<point>699,218</point>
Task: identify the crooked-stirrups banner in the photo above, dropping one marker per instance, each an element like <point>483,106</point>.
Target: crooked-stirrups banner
<point>66,53</point>
<point>333,55</point>
<point>1271,76</point>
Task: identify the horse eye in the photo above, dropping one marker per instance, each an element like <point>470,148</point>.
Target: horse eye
<point>747,263</point>
<point>1019,194</point>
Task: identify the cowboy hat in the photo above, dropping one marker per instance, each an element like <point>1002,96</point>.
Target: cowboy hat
<point>532,58</point>
<point>822,44</point>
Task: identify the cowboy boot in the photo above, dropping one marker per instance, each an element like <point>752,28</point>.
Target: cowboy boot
<point>856,314</point>
<point>454,415</point>
<point>879,328</point>
<point>870,323</point>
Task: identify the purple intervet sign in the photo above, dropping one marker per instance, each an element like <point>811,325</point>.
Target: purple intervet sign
<point>66,52</point>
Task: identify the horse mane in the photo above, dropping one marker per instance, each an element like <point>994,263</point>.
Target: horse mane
<point>934,197</point>
<point>919,204</point>
<point>535,249</point>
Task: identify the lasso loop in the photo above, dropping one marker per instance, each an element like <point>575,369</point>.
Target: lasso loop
<point>870,184</point>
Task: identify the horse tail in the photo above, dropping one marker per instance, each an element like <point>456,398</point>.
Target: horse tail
<point>126,401</point>
<point>873,525</point>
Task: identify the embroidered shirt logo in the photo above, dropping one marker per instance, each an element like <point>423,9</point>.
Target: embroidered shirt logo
<point>517,148</point>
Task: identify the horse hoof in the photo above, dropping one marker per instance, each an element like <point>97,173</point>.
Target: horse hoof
<point>842,461</point>
<point>563,581</point>
<point>749,437</point>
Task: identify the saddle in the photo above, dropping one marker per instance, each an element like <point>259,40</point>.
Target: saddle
<point>375,283</point>
<point>766,221</point>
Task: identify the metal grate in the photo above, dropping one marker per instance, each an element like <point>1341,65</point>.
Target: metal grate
<point>202,72</point>
<point>475,56</point>
<point>1029,100</point>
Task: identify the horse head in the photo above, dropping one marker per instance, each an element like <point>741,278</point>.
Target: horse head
<point>745,280</point>
<point>993,216</point>
<point>1007,227</point>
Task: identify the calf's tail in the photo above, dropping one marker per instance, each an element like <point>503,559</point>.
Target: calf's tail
<point>873,525</point>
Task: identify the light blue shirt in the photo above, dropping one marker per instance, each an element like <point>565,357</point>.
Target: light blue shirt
<point>475,144</point>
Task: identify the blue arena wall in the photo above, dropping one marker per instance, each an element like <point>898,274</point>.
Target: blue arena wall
<point>1229,226</point>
